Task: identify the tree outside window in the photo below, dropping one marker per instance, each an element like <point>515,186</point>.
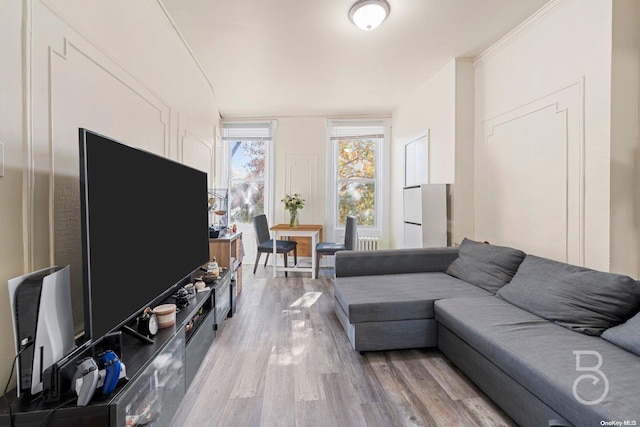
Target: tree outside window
<point>247,180</point>
<point>356,183</point>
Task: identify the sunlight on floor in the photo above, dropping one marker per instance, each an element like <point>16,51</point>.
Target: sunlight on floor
<point>307,300</point>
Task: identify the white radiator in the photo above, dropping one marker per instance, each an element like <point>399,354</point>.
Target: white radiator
<point>368,243</point>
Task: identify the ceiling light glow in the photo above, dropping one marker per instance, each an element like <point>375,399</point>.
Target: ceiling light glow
<point>369,14</point>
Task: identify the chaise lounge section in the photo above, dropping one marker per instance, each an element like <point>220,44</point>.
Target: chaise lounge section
<point>525,329</point>
<point>378,312</point>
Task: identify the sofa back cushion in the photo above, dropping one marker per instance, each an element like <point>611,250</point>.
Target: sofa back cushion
<point>577,298</point>
<point>487,266</point>
<point>626,335</point>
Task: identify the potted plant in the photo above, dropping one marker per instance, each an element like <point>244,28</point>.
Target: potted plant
<point>293,203</point>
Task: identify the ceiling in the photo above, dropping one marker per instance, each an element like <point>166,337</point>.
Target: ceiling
<point>269,58</point>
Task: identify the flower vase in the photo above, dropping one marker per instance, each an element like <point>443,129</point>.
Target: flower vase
<point>293,219</point>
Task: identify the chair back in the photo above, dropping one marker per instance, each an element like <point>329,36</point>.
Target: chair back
<point>261,228</point>
<point>351,233</point>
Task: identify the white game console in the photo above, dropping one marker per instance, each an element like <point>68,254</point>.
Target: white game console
<point>42,315</point>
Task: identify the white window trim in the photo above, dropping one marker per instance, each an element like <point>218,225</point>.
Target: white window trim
<point>269,164</point>
<point>334,231</point>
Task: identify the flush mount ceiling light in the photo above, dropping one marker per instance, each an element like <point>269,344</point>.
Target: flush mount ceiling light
<point>369,14</point>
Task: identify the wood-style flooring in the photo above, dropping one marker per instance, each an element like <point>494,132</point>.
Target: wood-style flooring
<point>284,360</point>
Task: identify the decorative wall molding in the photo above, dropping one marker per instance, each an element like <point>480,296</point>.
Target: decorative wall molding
<point>28,218</point>
<point>97,48</point>
<point>187,139</point>
<point>301,176</point>
<point>529,24</point>
<point>77,73</point>
<point>120,74</point>
<point>525,108</point>
<point>165,13</point>
<point>71,81</point>
<point>568,101</point>
<point>103,64</point>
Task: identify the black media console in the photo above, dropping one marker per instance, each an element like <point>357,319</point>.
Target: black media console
<point>159,373</point>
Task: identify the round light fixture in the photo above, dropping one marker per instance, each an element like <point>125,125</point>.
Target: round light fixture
<point>369,14</point>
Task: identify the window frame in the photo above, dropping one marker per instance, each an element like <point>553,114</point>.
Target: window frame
<point>382,150</point>
<point>268,178</point>
<point>375,181</point>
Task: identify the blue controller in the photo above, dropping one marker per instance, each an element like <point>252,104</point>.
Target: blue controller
<point>109,361</point>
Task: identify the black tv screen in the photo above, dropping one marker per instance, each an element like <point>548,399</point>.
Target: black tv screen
<point>144,229</point>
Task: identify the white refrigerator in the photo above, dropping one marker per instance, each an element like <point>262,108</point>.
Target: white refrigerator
<point>425,216</point>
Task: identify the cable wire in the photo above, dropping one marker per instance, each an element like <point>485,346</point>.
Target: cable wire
<point>42,423</point>
<point>6,387</point>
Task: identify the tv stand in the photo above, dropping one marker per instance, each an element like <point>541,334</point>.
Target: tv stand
<point>159,373</point>
<point>137,335</point>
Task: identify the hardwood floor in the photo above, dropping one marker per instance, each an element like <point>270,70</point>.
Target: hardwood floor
<point>284,360</point>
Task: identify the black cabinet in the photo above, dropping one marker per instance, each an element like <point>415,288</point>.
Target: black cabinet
<point>222,298</point>
<point>159,373</point>
<point>156,393</point>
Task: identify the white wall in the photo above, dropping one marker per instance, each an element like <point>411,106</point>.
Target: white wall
<point>430,109</point>
<point>553,165</point>
<point>462,204</point>
<point>301,157</point>
<point>300,167</point>
<point>443,106</point>
<point>119,68</point>
<point>543,121</point>
<point>625,156</point>
<point>11,188</point>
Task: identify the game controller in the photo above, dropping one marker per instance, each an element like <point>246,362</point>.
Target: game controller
<point>110,362</point>
<point>87,371</point>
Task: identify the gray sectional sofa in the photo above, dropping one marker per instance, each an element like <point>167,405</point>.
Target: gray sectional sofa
<point>550,343</point>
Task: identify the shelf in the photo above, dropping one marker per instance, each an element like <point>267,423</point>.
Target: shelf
<point>226,248</point>
<point>199,317</point>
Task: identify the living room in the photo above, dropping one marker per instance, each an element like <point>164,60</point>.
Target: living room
<point>561,78</point>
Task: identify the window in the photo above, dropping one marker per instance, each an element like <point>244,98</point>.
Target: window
<point>248,145</point>
<point>357,169</point>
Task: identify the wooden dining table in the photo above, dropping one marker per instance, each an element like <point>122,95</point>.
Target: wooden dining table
<point>303,230</point>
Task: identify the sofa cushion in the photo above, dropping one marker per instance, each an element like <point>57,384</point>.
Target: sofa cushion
<point>397,296</point>
<point>540,356</point>
<point>626,335</point>
<point>577,298</point>
<point>394,261</point>
<point>487,266</point>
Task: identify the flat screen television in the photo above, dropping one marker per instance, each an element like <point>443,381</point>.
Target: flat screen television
<point>144,229</point>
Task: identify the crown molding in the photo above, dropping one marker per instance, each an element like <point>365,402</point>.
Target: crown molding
<point>189,50</point>
<point>527,25</point>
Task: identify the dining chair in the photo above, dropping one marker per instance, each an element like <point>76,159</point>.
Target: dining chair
<point>265,243</point>
<point>330,248</point>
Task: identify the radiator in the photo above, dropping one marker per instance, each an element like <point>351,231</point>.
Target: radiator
<point>368,243</point>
